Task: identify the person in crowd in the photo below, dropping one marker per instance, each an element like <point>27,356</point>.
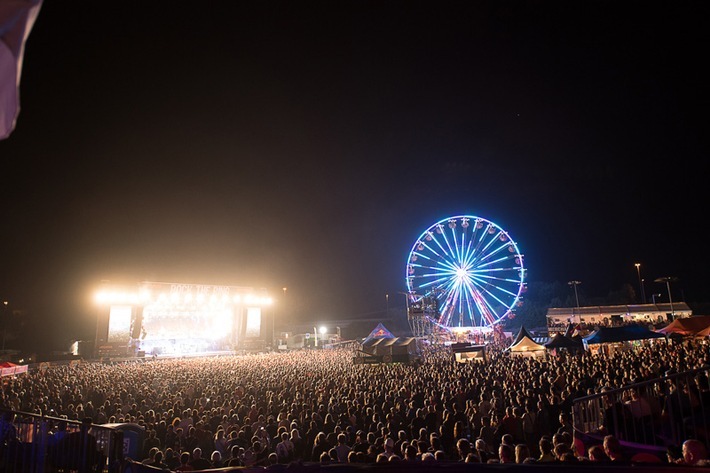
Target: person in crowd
<point>220,442</point>
<point>198,462</point>
<point>614,450</point>
<point>674,454</point>
<point>235,456</point>
<point>506,453</point>
<point>483,450</point>
<point>171,459</point>
<point>151,442</point>
<point>216,459</point>
<point>184,462</point>
<point>560,450</point>
<point>565,424</point>
<point>342,449</point>
<point>694,453</point>
<point>388,447</point>
<point>522,453</point>
<point>411,453</point>
<point>158,461</point>
<point>261,452</point>
<point>320,445</point>
<point>285,449</point>
<point>150,456</point>
<point>546,448</point>
<point>463,448</point>
<point>595,453</point>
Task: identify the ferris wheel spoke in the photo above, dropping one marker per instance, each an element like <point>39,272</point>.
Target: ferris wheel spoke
<point>470,304</point>
<point>493,279</point>
<point>445,251</point>
<point>490,250</point>
<point>488,286</point>
<point>495,275</point>
<point>435,283</point>
<point>461,249</point>
<point>434,253</point>
<point>493,296</point>
<point>498,250</point>
<point>493,264</point>
<point>484,308</point>
<point>502,290</point>
<point>447,308</point>
<point>438,272</point>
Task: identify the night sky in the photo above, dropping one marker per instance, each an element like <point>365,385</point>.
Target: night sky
<point>308,144</point>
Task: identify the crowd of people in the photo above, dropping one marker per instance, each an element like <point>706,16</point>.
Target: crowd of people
<point>317,406</point>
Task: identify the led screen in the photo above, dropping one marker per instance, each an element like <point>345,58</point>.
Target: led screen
<point>119,323</point>
<point>253,327</point>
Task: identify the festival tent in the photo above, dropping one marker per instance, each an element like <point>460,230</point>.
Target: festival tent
<point>524,345</point>
<point>704,332</point>
<point>687,325</point>
<point>522,333</point>
<point>561,341</point>
<point>624,333</point>
<point>370,346</point>
<point>8,368</point>
<point>465,352</point>
<point>387,350</point>
<point>379,332</point>
<point>390,346</point>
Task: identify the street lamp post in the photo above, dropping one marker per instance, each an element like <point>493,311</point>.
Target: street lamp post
<point>323,331</point>
<point>387,299</point>
<point>4,324</point>
<point>575,284</point>
<point>653,298</point>
<point>667,280</point>
<point>643,292</point>
<point>273,318</point>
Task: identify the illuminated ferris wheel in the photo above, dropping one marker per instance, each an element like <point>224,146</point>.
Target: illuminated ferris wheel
<point>467,271</point>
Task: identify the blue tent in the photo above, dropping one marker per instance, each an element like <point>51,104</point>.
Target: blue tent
<point>625,333</point>
<point>561,341</point>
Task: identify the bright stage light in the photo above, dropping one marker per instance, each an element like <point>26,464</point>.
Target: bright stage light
<point>106,297</point>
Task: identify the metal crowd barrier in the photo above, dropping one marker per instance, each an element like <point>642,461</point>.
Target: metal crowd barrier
<point>31,443</point>
<point>659,413</point>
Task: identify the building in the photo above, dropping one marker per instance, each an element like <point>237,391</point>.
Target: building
<point>558,319</point>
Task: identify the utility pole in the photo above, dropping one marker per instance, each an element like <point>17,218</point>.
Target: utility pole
<point>575,284</point>
<point>643,291</point>
<point>667,280</point>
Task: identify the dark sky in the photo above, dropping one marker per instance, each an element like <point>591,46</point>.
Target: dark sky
<point>308,144</point>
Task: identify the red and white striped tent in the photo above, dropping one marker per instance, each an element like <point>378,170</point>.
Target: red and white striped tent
<point>8,368</point>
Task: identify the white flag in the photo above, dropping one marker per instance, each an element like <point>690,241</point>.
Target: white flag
<point>16,20</point>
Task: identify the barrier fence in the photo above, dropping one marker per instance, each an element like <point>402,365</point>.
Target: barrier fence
<point>37,444</point>
<point>653,414</point>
